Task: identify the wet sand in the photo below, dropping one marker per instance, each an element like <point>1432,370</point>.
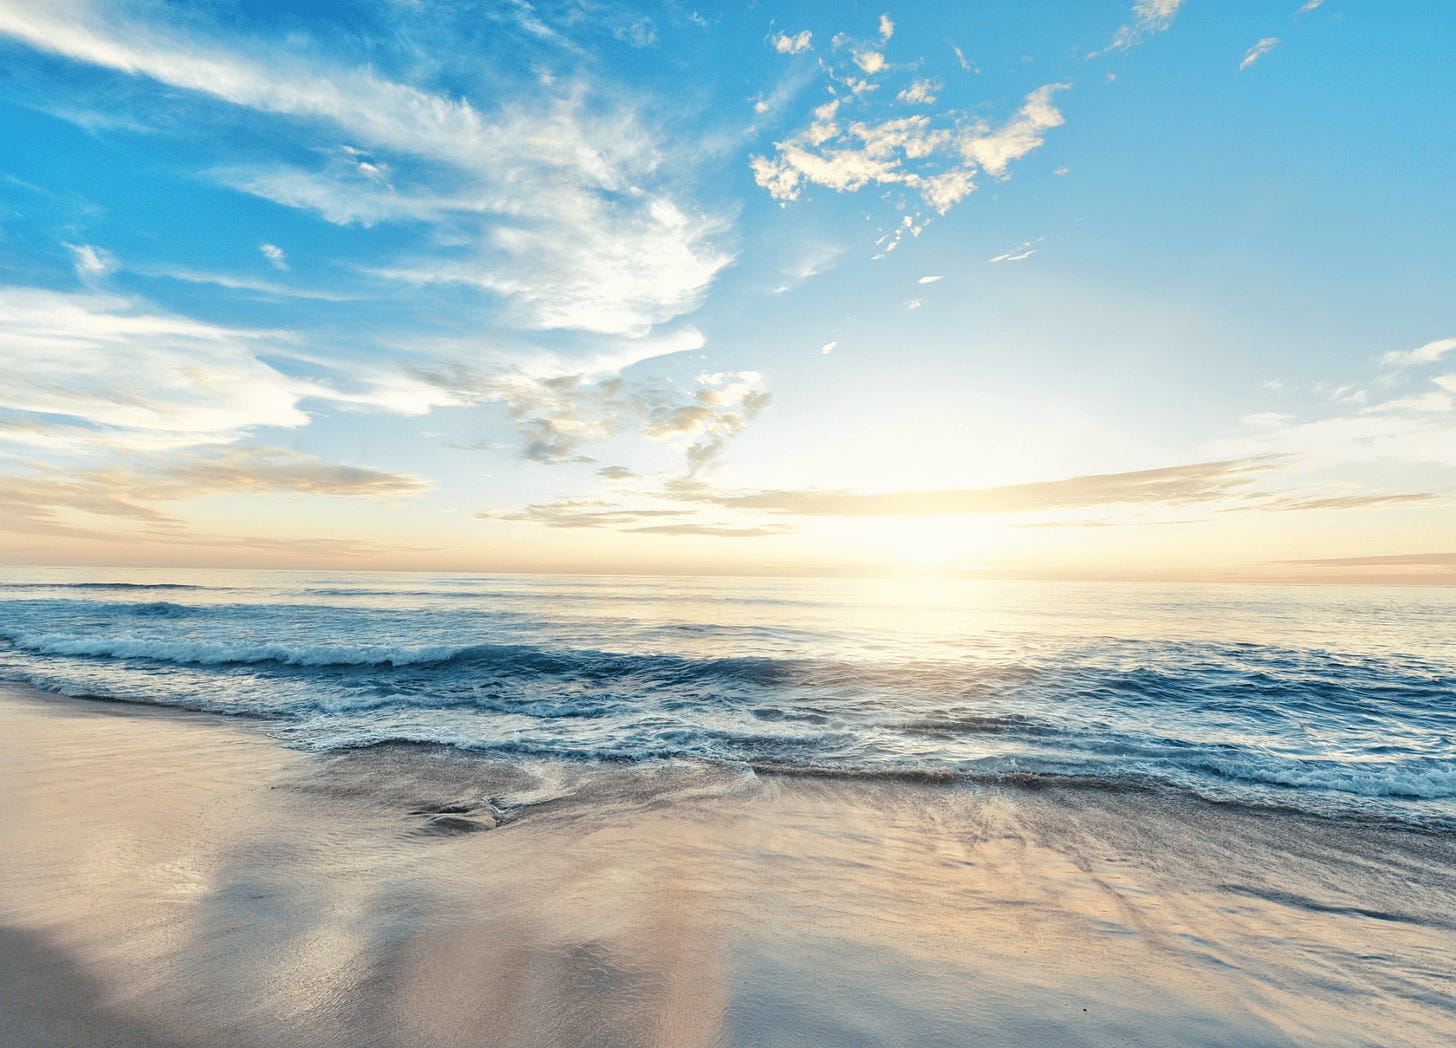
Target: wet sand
<point>181,879</point>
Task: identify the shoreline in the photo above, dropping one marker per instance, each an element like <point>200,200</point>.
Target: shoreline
<point>174,878</point>
<point>1435,824</point>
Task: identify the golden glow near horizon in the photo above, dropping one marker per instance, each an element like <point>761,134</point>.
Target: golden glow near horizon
<point>573,298</point>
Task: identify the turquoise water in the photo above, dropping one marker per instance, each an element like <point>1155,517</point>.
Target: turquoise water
<point>1337,701</point>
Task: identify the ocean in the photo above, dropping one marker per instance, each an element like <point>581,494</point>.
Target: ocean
<point>1333,701</point>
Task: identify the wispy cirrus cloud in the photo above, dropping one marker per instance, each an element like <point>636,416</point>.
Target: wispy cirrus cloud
<point>1258,51</point>
<point>582,513</point>
<point>1440,560</point>
<point>1343,502</point>
<point>1429,353</point>
<point>1019,253</point>
<point>599,514</point>
<point>1152,497</point>
<point>110,361</point>
<point>1169,486</point>
<point>1149,17</point>
<point>721,531</point>
<point>276,256</point>
<point>1411,427</point>
<point>265,288</point>
<point>563,207</point>
<point>235,469</point>
<point>92,263</point>
<point>46,500</point>
<point>93,374</point>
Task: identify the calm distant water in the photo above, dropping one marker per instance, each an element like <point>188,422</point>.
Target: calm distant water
<point>1332,700</point>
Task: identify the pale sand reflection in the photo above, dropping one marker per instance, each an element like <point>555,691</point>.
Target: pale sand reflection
<point>218,889</point>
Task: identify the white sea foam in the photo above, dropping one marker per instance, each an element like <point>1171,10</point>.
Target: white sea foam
<point>1298,700</point>
<point>220,653</point>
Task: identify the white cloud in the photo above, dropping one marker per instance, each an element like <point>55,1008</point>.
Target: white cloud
<point>929,280</point>
<point>231,469</point>
<point>264,288</point>
<point>914,303</point>
<point>95,373</point>
<point>829,347</point>
<point>1418,429</point>
<point>104,360</point>
<point>275,255</point>
<point>1148,18</point>
<point>559,415</point>
<point>797,44</point>
<point>1426,354</point>
<point>1267,418</point>
<point>722,407</point>
<point>1173,486</point>
<point>1258,51</point>
<point>887,28</point>
<point>610,270</point>
<point>870,61</point>
<point>966,63</point>
<point>1308,6</point>
<point>92,263</point>
<point>920,92</point>
<point>814,260</point>
<point>994,150</point>
<point>1020,252</point>
<point>938,162</point>
<point>42,500</point>
<point>562,201</point>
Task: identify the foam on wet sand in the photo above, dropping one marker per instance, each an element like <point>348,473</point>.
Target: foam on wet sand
<point>180,879</point>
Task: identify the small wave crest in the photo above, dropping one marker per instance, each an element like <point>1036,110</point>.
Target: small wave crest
<point>160,609</point>
<point>1430,778</point>
<point>104,586</point>
<point>196,652</point>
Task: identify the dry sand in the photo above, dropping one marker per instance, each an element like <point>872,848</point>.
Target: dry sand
<point>175,879</point>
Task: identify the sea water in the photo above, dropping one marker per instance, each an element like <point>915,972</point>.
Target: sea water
<point>1336,701</point>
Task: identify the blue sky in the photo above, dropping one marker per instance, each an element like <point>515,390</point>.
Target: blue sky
<point>1149,289</point>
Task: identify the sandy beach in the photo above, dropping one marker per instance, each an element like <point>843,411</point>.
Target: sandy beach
<point>181,879</point>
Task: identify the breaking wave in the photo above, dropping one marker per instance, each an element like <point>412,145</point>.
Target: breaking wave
<point>807,683</point>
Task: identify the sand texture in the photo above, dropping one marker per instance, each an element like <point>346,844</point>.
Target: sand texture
<point>181,879</point>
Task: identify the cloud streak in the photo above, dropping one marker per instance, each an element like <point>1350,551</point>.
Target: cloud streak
<point>109,361</point>
<point>567,215</point>
<point>1258,51</point>
<point>1169,486</point>
<point>44,500</point>
<point>1149,17</point>
<point>1435,560</point>
<point>1430,353</point>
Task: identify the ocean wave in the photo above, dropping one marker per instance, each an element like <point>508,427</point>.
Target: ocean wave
<point>196,652</point>
<point>554,671</point>
<point>104,586</point>
<point>1431,778</point>
<point>519,658</point>
<point>161,609</point>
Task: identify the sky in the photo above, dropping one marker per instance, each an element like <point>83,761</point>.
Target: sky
<point>1105,289</point>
